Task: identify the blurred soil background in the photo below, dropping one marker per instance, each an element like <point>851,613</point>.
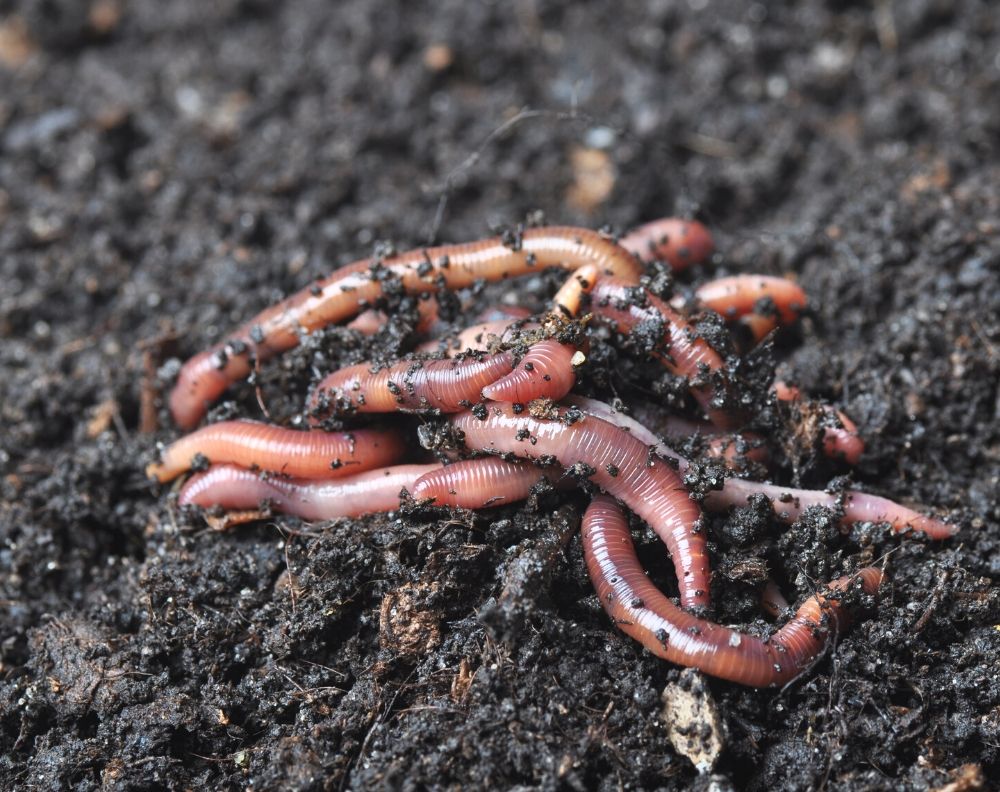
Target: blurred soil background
<point>169,168</point>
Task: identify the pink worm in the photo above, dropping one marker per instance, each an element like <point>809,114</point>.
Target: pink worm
<point>618,463</point>
<point>720,446</point>
<point>471,339</point>
<point>249,444</point>
<point>451,385</point>
<point>680,243</point>
<point>789,503</point>
<point>448,385</point>
<point>235,488</point>
<point>839,442</point>
<point>478,483</point>
<point>347,291</point>
<point>737,297</point>
<point>545,371</point>
<point>642,611</point>
<point>371,321</point>
<point>681,350</point>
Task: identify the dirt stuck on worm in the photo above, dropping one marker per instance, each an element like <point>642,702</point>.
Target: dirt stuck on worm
<point>166,170</point>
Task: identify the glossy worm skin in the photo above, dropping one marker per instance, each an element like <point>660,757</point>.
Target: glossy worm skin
<point>840,441</point>
<point>236,488</point>
<point>546,371</point>
<point>371,321</point>
<point>643,612</point>
<point>448,385</point>
<point>789,503</point>
<point>478,483</point>
<point>477,337</point>
<point>350,289</point>
<point>772,600</point>
<point>639,431</point>
<point>250,444</point>
<point>619,464</point>
<point>681,350</point>
<point>680,243</point>
<point>738,298</point>
<point>733,448</point>
<point>721,446</point>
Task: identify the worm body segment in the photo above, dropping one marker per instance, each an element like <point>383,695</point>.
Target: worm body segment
<point>545,371</point>
<point>618,463</point>
<point>314,454</point>
<point>789,503</point>
<point>677,344</point>
<point>447,385</point>
<point>478,483</point>
<point>738,296</point>
<point>350,289</point>
<point>681,243</point>
<point>235,488</point>
<point>642,611</point>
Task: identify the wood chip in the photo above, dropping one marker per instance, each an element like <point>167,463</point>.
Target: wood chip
<point>968,777</point>
<point>692,718</point>
<point>100,420</point>
<point>406,624</point>
<point>15,44</point>
<point>593,179</point>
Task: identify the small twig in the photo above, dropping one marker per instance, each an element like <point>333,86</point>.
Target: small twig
<point>524,114</point>
<point>933,602</point>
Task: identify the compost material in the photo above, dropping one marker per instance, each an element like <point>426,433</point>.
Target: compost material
<point>169,169</point>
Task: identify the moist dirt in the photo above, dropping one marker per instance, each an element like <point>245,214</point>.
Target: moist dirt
<point>168,169</point>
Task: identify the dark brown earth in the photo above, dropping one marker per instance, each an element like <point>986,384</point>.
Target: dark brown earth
<point>167,169</point>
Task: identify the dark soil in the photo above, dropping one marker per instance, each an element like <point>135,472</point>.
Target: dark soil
<point>169,168</point>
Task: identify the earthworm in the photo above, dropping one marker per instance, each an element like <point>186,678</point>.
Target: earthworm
<point>680,243</point>
<point>478,483</point>
<point>772,600</point>
<point>314,454</point>
<point>371,321</point>
<point>789,503</point>
<point>723,446</point>
<point>759,302</point>
<point>620,464</point>
<point>545,371</point>
<point>472,339</point>
<point>643,612</point>
<point>840,441</point>
<point>348,290</point>
<point>232,487</point>
<point>497,320</point>
<point>448,385</point>
<point>677,344</point>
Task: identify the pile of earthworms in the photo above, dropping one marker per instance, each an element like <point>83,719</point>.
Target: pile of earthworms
<point>505,385</point>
